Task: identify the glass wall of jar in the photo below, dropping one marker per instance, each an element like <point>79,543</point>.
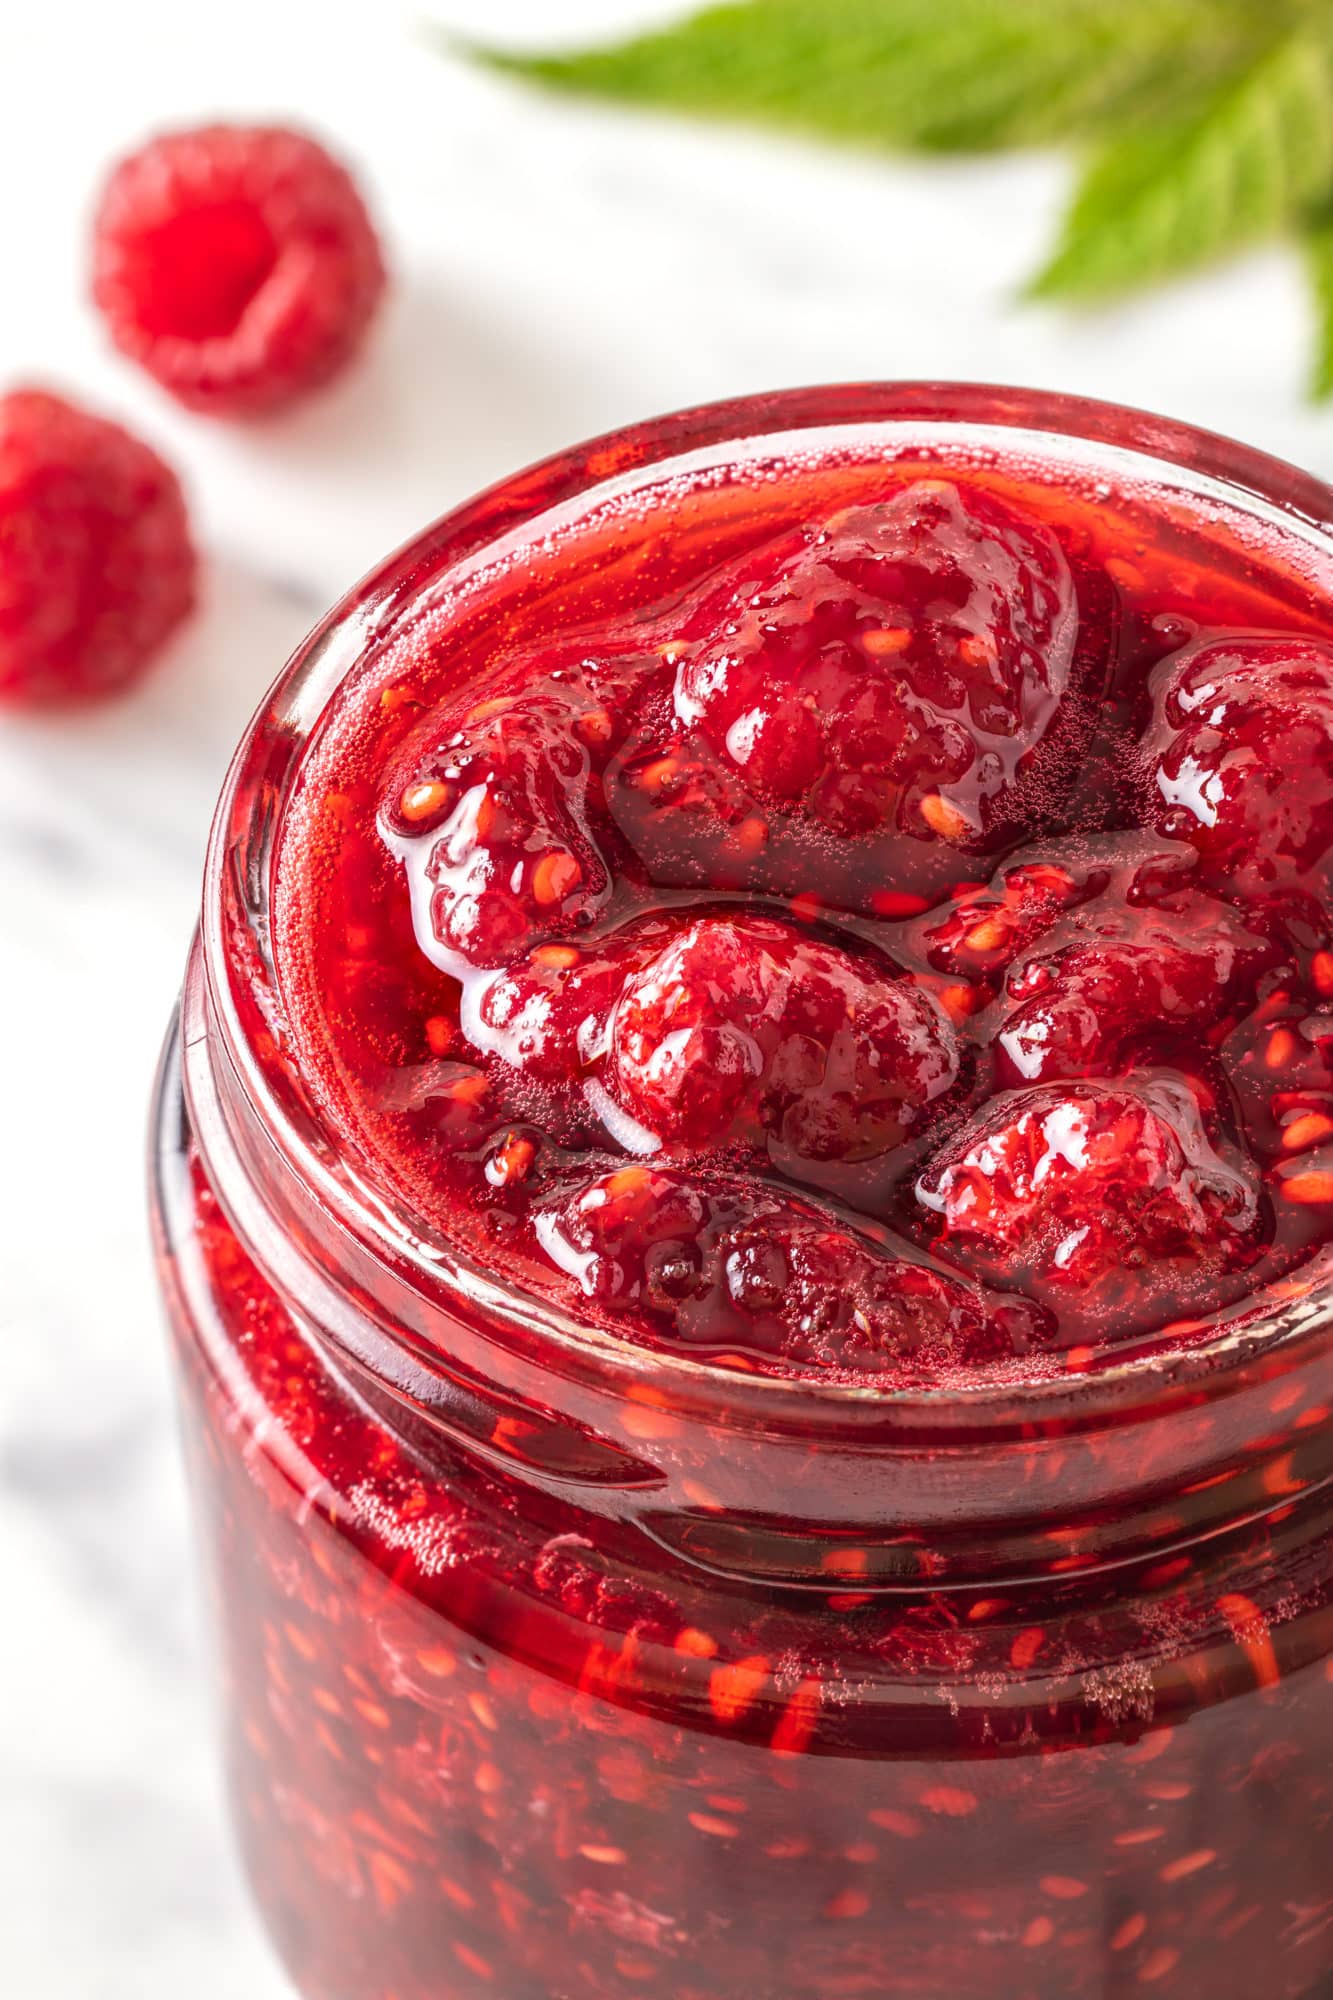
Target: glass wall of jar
<point>556,1667</point>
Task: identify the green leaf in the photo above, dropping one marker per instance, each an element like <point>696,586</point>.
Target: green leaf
<point>939,74</point>
<point>1319,252</point>
<point>1234,167</point>
<point>1212,120</point>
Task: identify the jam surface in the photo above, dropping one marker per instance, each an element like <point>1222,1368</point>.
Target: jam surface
<point>866,919</point>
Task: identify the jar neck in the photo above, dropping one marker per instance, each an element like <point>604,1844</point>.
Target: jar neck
<point>776,1482</point>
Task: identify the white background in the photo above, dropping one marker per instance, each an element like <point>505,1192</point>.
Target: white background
<point>559,269</point>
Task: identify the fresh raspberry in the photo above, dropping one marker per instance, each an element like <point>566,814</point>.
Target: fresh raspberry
<point>745,1028</point>
<point>96,563</point>
<point>1082,1187</point>
<point>1240,756</point>
<point>734,1269</point>
<point>894,670</point>
<point>237,264</point>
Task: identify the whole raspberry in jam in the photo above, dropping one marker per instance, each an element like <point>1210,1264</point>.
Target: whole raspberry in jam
<point>237,264</point>
<point>743,1027</point>
<point>896,669</point>
<point>97,567</point>
<point>738,1271</point>
<point>1240,763</point>
<point>1074,1187</point>
<point>1112,977</point>
<point>491,816</point>
<point>548,1013</point>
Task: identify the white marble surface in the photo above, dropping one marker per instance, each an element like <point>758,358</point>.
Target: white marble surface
<point>559,269</point>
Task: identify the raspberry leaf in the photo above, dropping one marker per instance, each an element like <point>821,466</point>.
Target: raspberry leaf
<point>1238,165</point>
<point>1319,254</point>
<point>1211,121</point>
<point>937,74</point>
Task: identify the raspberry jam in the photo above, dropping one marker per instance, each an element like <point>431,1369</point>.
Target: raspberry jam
<point>746,1194</point>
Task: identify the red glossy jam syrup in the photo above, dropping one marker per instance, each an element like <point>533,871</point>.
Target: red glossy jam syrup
<point>854,915</point>
<point>878,930</point>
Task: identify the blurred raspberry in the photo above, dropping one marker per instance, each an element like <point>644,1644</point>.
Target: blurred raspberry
<point>96,563</point>
<point>237,264</point>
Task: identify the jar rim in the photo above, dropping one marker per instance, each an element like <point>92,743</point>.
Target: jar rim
<point>239,977</point>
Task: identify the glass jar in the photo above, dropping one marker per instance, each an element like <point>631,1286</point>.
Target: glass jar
<point>556,1668</point>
